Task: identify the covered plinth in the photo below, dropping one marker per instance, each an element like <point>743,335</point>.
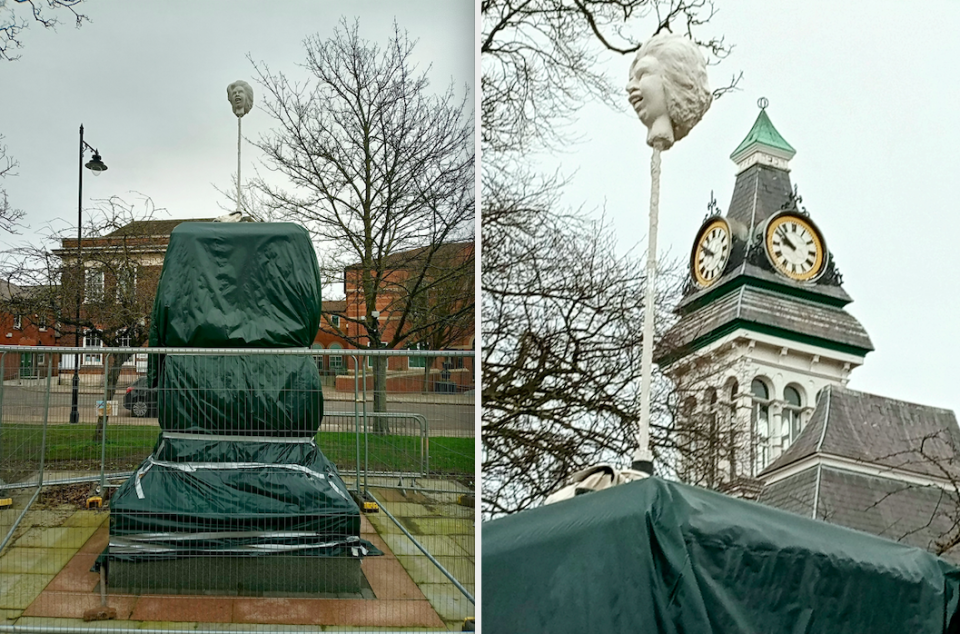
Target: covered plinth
<point>656,556</point>
<point>236,497</point>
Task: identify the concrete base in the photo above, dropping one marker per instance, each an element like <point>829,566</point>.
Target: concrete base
<point>245,576</point>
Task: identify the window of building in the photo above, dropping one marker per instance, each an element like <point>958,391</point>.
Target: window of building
<point>335,321</point>
<point>18,322</point>
<point>791,413</point>
<point>760,419</point>
<point>92,340</point>
<point>417,362</point>
<point>93,285</point>
<point>336,361</point>
<point>733,393</point>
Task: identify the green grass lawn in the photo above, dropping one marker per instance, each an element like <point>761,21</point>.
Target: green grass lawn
<point>73,447</point>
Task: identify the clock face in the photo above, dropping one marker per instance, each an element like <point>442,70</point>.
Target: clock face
<point>711,252</point>
<point>795,247</point>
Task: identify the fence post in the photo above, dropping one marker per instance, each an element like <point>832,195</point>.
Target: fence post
<point>3,372</point>
<point>366,437</point>
<point>103,430</point>
<point>46,416</point>
<point>356,415</point>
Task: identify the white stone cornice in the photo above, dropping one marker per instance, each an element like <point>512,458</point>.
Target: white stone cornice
<point>762,157</point>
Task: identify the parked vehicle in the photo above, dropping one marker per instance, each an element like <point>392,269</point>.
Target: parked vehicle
<point>141,399</point>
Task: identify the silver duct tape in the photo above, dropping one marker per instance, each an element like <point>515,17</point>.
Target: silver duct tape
<point>180,435</point>
<point>118,546</point>
<point>181,536</point>
<point>191,467</point>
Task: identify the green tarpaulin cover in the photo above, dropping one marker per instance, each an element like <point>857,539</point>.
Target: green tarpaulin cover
<point>265,395</point>
<point>237,285</point>
<point>204,496</point>
<point>656,556</point>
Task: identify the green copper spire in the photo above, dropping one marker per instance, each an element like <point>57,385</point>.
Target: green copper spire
<point>763,137</point>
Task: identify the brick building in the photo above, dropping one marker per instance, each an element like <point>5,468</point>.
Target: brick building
<point>129,260</point>
<point>25,330</point>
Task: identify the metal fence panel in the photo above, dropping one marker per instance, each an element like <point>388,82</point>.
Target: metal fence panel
<point>404,448</point>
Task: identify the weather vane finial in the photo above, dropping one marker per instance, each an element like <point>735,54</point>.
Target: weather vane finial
<point>762,103</point>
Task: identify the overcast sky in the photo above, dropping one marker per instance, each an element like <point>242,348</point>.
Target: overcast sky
<point>148,82</point>
<point>867,93</point>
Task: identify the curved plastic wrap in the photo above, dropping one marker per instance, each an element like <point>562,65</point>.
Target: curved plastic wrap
<point>237,285</point>
<point>266,395</point>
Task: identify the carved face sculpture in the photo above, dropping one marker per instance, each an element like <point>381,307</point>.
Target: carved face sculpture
<point>668,88</point>
<point>240,96</point>
<point>645,91</point>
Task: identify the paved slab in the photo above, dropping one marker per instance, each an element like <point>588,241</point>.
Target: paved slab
<point>74,604</point>
<point>422,570</point>
<point>436,545</point>
<point>35,560</point>
<point>72,537</point>
<point>76,575</point>
<point>87,518</point>
<point>449,602</point>
<point>17,591</point>
<point>53,622</point>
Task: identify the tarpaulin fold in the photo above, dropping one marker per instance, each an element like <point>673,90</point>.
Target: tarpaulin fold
<point>214,496</point>
<point>657,556</point>
<point>237,285</point>
<point>257,394</point>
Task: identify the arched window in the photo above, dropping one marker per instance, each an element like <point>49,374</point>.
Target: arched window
<point>760,418</point>
<point>713,435</point>
<point>688,423</point>
<point>733,440</point>
<point>791,413</point>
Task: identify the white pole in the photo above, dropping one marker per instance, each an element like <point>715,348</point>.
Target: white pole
<point>238,164</point>
<point>643,459</point>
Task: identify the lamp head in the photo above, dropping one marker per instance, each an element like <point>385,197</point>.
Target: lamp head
<point>96,165</point>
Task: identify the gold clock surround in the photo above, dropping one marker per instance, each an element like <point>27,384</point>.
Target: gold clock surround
<point>715,231</point>
<point>807,257</point>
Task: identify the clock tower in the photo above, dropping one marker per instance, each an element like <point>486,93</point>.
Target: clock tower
<point>761,328</point>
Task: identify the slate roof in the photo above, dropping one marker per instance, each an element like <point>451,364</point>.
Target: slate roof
<point>335,306</point>
<point>151,228</point>
<point>877,430</point>
<point>760,192</point>
<point>913,514</point>
<point>746,306</point>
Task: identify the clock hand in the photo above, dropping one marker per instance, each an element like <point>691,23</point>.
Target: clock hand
<point>783,236</point>
<point>707,251</point>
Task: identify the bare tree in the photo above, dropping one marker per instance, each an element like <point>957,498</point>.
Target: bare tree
<point>561,353</point>
<point>540,60</point>
<point>10,216</point>
<point>17,15</point>
<point>936,523</point>
<point>113,294</point>
<point>561,311</point>
<point>381,173</point>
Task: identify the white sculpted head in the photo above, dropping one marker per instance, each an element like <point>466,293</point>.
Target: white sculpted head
<point>668,88</point>
<point>240,96</point>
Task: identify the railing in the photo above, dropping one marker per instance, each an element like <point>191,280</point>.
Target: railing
<point>414,457</point>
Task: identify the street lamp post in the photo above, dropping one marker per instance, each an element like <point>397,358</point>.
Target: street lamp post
<point>96,166</point>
